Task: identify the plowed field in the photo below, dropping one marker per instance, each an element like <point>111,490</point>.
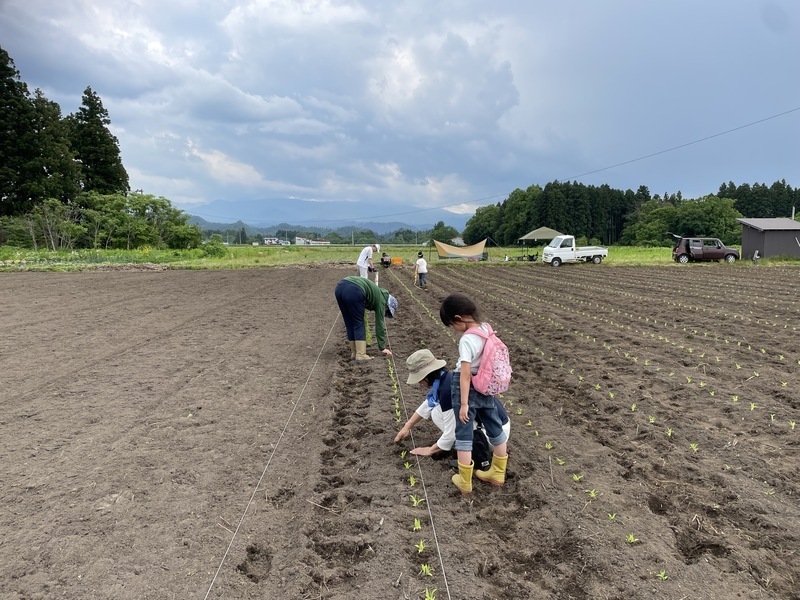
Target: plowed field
<point>185,434</point>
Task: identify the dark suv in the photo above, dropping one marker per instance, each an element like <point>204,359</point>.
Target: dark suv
<point>688,249</point>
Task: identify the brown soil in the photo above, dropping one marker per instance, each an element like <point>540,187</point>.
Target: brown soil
<point>182,434</point>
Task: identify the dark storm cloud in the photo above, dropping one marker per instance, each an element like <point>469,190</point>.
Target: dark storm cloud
<point>332,108</point>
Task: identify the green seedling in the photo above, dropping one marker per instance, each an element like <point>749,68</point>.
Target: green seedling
<point>562,462</point>
<point>426,570</point>
<point>529,423</point>
<point>738,366</point>
<point>770,492</point>
<point>576,478</point>
<point>611,395</point>
<point>612,516</point>
<point>772,417</point>
<point>592,493</point>
<point>702,384</point>
<point>548,446</point>
<point>669,432</point>
<point>651,419</point>
<point>536,433</point>
<point>403,453</point>
<point>735,398</point>
<point>662,575</point>
<point>755,374</point>
<point>416,500</point>
<point>597,387</point>
<point>694,447</point>
<point>430,594</point>
<point>753,406</point>
<point>633,407</point>
<point>421,546</point>
<point>417,525</point>
<point>784,383</point>
<point>791,424</point>
<point>631,539</point>
<point>711,393</point>
<point>407,465</point>
<point>519,411</point>
<point>412,481</point>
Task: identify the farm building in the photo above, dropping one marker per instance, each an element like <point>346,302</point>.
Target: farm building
<point>770,237</point>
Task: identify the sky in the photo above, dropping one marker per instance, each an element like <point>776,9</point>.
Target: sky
<point>330,112</point>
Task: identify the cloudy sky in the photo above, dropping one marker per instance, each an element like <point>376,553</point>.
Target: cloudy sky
<point>325,111</point>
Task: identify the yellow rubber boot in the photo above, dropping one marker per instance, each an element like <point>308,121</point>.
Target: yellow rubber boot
<point>361,350</point>
<point>496,474</point>
<point>463,479</point>
<point>352,350</point>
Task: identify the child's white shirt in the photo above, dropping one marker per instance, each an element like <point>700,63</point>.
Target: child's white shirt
<point>470,349</point>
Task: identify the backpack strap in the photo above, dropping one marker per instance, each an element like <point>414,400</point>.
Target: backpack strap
<point>480,332</point>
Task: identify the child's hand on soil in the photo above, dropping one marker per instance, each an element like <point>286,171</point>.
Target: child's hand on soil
<point>401,435</point>
<point>386,352</point>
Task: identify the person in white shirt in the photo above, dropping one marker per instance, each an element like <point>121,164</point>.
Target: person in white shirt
<point>364,262</point>
<point>421,271</point>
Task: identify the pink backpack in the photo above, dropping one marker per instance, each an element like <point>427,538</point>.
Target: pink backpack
<point>494,372</point>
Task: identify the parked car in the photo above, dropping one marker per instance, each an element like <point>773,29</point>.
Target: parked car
<point>690,249</point>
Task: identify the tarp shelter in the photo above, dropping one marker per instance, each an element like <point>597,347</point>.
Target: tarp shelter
<point>771,237</point>
<point>474,252</point>
<point>543,233</point>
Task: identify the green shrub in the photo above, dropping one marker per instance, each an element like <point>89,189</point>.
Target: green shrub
<point>214,249</point>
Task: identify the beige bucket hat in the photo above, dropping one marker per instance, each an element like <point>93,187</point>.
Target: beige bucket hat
<point>421,363</point>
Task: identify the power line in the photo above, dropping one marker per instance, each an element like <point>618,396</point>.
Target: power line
<point>633,160</point>
<point>627,162</point>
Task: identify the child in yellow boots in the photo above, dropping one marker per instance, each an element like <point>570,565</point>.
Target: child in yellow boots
<point>461,313</point>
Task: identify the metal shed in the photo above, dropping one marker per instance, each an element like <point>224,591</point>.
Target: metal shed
<point>770,237</point>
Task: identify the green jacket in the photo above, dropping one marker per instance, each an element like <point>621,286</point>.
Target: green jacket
<point>376,299</point>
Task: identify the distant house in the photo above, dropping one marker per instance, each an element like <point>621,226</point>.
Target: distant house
<point>300,241</point>
<point>770,237</point>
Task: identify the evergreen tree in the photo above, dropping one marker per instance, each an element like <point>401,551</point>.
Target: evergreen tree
<point>52,172</point>
<point>17,146</point>
<point>96,148</point>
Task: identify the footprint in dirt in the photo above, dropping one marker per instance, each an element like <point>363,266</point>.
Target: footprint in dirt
<point>257,565</point>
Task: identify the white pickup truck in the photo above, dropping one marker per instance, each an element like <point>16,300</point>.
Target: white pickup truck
<point>562,249</point>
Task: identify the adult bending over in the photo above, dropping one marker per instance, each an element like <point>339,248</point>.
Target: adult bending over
<point>430,373</point>
<point>354,295</point>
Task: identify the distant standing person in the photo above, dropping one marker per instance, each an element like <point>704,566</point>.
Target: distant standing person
<point>364,263</point>
<point>355,295</point>
<point>421,271</point>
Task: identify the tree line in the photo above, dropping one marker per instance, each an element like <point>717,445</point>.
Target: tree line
<point>602,215</point>
<point>62,181</point>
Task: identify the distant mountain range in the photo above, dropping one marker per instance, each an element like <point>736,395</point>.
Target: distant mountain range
<point>264,216</point>
<point>270,229</point>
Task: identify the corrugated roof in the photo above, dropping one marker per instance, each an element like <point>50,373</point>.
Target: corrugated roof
<point>778,224</point>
